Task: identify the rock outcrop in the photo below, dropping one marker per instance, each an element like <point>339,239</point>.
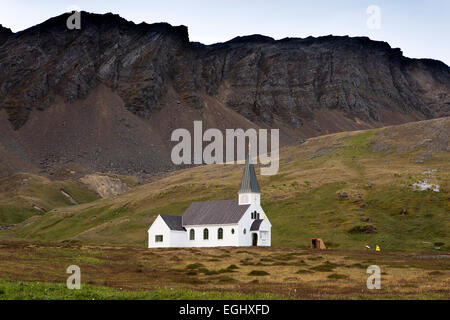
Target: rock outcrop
<point>306,87</point>
<point>5,33</point>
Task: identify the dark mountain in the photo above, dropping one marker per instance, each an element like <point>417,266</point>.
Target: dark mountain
<point>5,33</point>
<point>106,97</point>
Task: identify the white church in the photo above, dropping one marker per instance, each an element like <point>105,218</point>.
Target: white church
<point>220,223</point>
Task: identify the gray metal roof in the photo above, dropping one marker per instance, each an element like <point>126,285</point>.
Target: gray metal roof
<point>249,182</point>
<point>256,224</point>
<point>214,212</point>
<point>173,222</point>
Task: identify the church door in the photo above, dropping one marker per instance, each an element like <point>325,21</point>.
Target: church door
<point>254,239</point>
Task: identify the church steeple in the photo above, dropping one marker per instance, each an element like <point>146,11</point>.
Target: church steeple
<point>249,183</point>
<point>249,191</point>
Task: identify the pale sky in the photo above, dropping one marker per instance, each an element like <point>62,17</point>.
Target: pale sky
<point>419,28</point>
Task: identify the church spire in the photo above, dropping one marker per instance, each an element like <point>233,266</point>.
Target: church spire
<point>249,183</point>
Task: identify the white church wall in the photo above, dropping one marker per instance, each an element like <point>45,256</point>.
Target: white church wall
<point>159,227</point>
<point>229,238</point>
<point>245,235</point>
<point>249,198</point>
<point>171,238</point>
<point>264,234</point>
<point>178,238</point>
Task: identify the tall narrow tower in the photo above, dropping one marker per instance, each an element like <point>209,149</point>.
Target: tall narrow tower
<point>249,193</point>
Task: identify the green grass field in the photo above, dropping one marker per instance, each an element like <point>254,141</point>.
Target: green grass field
<point>22,290</point>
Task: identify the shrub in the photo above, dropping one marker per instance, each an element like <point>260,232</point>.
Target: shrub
<point>225,270</point>
<point>337,276</point>
<point>203,270</point>
<point>247,262</point>
<point>191,273</point>
<point>314,258</point>
<point>285,257</point>
<point>325,267</point>
<point>363,229</point>
<point>194,266</point>
<point>280,263</point>
<point>357,265</point>
<point>302,271</point>
<point>258,273</point>
<point>211,272</point>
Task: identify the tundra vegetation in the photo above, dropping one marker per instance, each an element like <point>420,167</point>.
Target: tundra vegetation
<point>352,189</point>
<point>32,270</point>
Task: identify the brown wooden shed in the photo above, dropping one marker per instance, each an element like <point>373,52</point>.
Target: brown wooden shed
<point>317,243</point>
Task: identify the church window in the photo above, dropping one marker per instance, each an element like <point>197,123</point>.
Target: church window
<point>192,234</point>
<point>232,231</point>
<point>245,231</point>
<point>255,215</point>
<point>220,234</point>
<point>205,234</point>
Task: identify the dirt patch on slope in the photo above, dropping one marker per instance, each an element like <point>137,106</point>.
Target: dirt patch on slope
<point>104,185</point>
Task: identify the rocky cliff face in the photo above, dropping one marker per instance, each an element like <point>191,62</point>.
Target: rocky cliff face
<point>5,33</point>
<point>49,60</point>
<point>305,86</point>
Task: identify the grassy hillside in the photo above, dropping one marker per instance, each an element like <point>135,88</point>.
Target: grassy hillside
<point>26,195</point>
<point>352,189</point>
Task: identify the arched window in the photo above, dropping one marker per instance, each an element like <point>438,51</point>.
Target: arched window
<point>205,234</point>
<point>192,234</point>
<point>245,231</point>
<point>220,234</point>
<point>232,231</point>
